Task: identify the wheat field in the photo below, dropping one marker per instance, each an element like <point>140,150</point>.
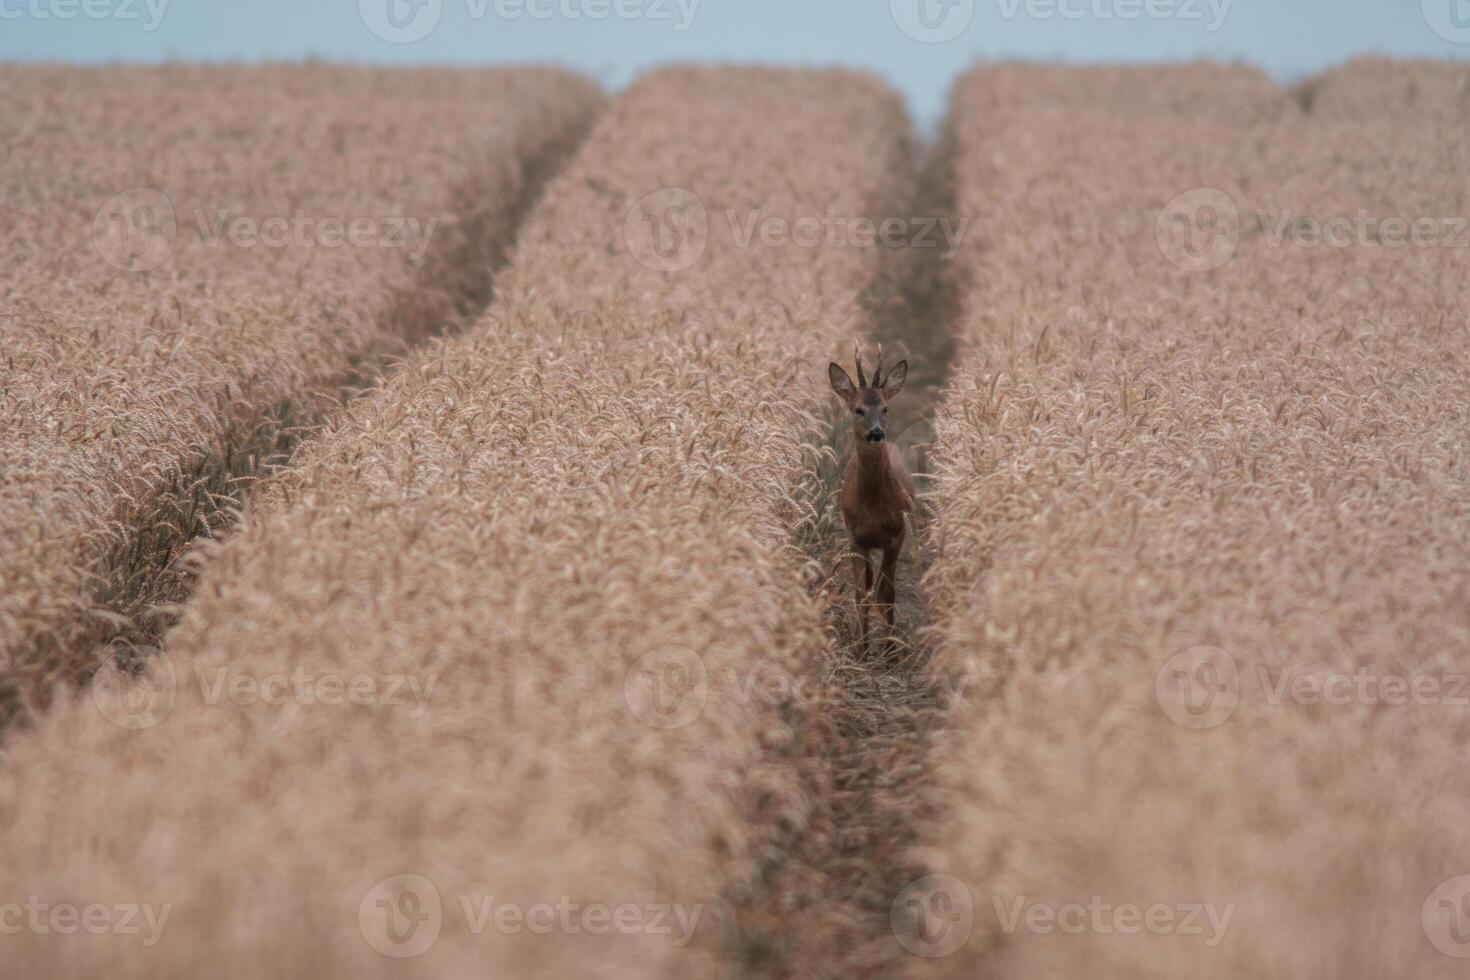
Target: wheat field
<point>1238,478</point>
<point>477,603</point>
<point>601,471</point>
<point>164,342</point>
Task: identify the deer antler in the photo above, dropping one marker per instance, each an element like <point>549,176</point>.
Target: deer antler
<point>878,371</point>
<point>857,357</point>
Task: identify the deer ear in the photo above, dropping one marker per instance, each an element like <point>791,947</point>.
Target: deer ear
<point>841,383</point>
<point>893,380</point>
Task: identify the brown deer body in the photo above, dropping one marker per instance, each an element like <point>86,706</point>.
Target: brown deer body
<point>877,491</point>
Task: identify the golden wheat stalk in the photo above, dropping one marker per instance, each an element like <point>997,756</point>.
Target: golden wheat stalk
<point>245,269</point>
<point>574,522</point>
<point>1160,491</point>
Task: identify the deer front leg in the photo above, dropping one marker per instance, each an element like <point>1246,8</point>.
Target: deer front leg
<point>888,585</point>
<point>862,580</point>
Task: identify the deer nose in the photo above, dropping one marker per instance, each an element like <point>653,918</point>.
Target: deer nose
<point>875,435</point>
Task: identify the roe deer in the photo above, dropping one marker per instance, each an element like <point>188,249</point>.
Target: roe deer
<point>877,490</point>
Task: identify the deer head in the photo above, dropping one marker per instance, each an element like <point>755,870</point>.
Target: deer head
<point>868,403</point>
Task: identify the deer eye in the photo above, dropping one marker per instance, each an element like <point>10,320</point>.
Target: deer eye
<point>857,411</point>
<point>885,409</point>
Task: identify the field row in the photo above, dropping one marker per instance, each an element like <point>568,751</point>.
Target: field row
<point>180,298</point>
<point>568,531</point>
<point>1193,471</point>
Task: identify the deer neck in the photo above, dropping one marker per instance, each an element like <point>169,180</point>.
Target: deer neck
<point>874,469</point>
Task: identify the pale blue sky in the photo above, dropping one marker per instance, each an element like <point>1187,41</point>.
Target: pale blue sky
<point>919,45</point>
